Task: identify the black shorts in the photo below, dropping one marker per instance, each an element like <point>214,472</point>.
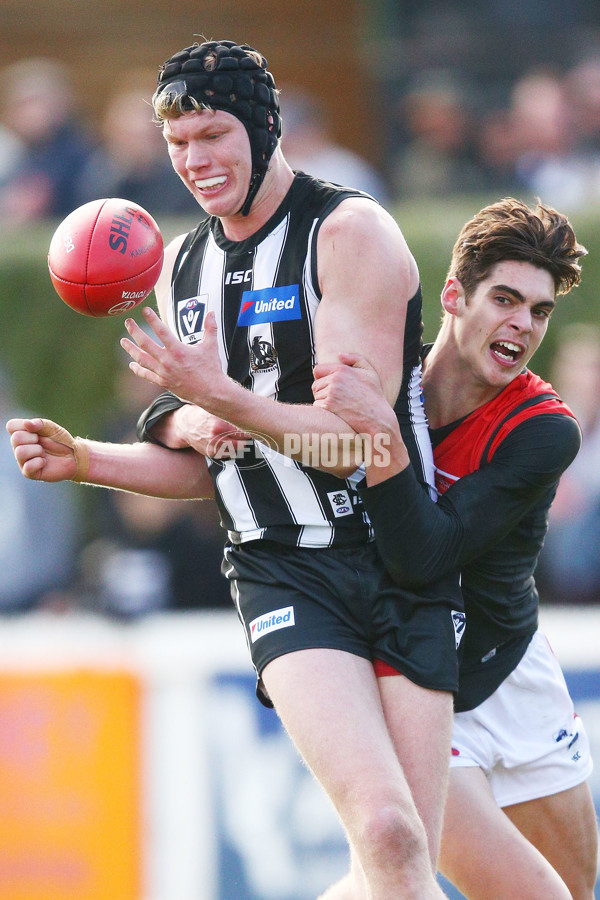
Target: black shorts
<point>292,599</point>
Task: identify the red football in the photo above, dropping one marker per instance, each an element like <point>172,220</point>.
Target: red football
<point>105,257</point>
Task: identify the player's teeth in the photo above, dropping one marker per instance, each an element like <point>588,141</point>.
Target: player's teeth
<point>210,182</point>
<point>513,347</point>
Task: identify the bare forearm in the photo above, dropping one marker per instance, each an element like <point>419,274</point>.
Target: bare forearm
<point>149,469</point>
<point>314,436</point>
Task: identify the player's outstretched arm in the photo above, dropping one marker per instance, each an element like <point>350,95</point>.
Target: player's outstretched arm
<point>47,452</point>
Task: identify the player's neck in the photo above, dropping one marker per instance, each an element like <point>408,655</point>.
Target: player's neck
<point>275,186</point>
<point>451,391</point>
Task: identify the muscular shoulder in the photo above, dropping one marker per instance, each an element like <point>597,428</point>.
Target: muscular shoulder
<point>359,232</point>
<point>357,218</point>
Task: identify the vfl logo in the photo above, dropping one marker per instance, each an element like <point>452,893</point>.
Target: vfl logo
<point>272,621</point>
<point>263,355</point>
<point>340,503</point>
<point>459,620</point>
<point>274,304</point>
<point>190,318</point>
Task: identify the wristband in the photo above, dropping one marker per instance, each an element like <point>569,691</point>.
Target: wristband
<point>78,445</point>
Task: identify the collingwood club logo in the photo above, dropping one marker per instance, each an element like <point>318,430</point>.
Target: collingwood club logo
<point>263,355</point>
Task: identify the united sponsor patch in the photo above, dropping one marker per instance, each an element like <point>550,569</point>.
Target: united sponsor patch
<point>340,503</point>
<point>274,304</point>
<point>271,621</point>
<point>190,318</point>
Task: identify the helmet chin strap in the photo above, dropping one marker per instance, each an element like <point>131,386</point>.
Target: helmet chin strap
<point>256,179</point>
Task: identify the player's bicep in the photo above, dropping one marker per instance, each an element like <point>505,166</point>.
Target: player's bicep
<point>366,275</point>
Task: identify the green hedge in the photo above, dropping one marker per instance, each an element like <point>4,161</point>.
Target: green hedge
<point>65,366</point>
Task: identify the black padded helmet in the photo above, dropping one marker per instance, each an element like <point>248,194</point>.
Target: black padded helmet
<point>222,75</point>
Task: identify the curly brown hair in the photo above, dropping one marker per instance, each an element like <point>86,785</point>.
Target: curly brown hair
<point>511,230</point>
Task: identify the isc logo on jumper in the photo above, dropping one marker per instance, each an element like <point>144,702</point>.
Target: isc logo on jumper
<point>274,304</point>
<point>190,318</point>
<point>272,621</point>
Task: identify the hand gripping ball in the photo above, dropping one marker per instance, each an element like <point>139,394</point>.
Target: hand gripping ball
<point>105,257</point>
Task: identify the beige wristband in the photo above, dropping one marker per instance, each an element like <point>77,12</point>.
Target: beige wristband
<point>78,445</point>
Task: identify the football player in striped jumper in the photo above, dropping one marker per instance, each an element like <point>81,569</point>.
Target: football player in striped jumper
<point>285,271</point>
<point>520,820</point>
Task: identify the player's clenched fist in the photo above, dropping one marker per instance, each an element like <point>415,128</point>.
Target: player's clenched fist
<point>46,451</point>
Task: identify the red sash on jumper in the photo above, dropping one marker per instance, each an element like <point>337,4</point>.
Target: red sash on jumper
<point>473,443</point>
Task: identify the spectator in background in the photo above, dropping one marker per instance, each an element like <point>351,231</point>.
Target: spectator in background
<point>582,83</point>
<point>39,532</point>
<point>309,147</point>
<point>548,162</point>
<point>547,140</point>
<point>39,107</point>
<point>134,167</point>
<point>11,148</point>
<point>439,158</point>
<point>569,566</point>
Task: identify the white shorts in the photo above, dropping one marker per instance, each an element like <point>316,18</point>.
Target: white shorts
<point>526,737</point>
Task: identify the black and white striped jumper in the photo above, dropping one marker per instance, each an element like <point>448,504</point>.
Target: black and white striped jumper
<point>265,294</point>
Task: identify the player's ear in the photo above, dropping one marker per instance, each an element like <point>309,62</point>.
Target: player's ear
<point>452,295</point>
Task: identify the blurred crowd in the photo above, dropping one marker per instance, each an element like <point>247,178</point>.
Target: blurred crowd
<point>53,159</point>
<point>540,137</point>
<point>445,137</point>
